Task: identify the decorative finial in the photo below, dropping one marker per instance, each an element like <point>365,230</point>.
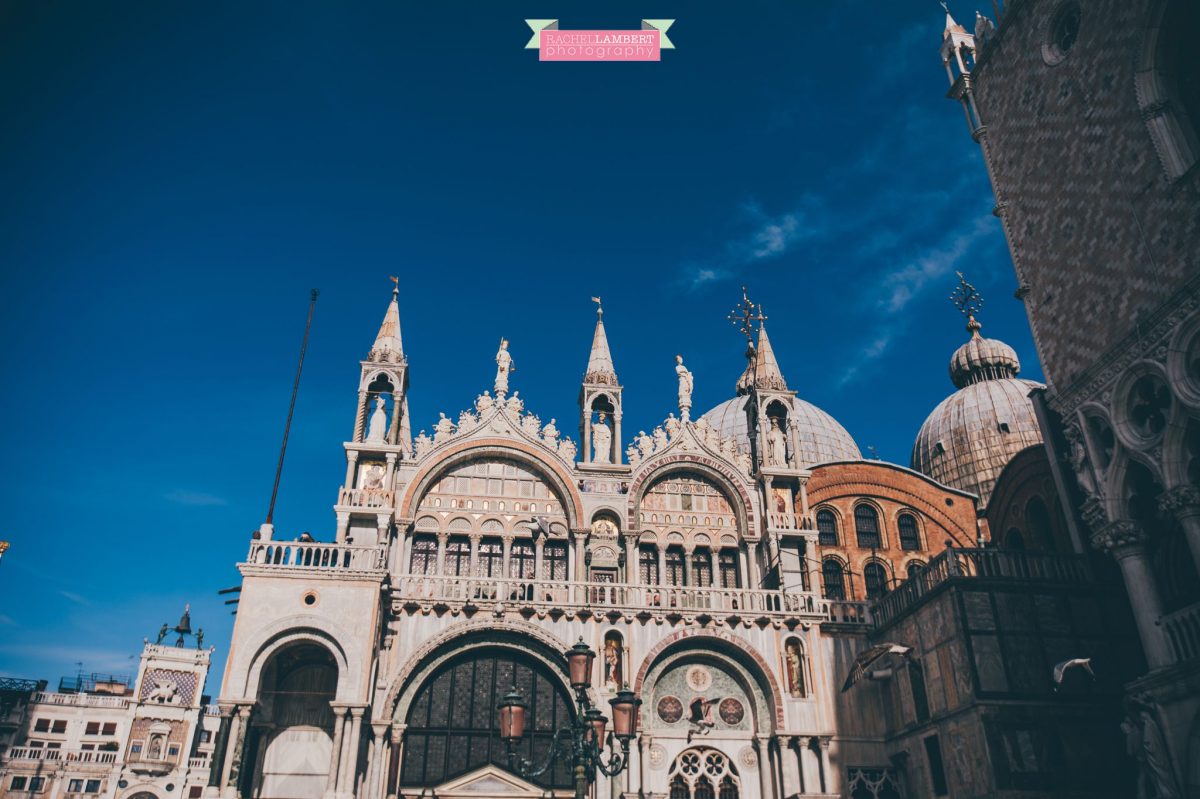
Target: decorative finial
<point>395,284</point>
<point>945,7</point>
<point>744,314</point>
<point>968,301</point>
<point>599,307</point>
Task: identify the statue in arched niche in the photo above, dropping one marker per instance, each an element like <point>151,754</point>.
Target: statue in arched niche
<point>794,659</point>
<point>613,678</point>
<point>601,440</point>
<point>377,429</point>
<point>776,445</point>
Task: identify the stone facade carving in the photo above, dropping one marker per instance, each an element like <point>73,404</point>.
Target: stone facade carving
<point>504,367</point>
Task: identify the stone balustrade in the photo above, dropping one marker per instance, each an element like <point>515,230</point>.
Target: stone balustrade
<point>783,521</point>
<point>79,700</point>
<point>60,755</point>
<point>428,590</point>
<point>980,564</point>
<point>1183,632</point>
<point>381,498</point>
<point>849,612</point>
<point>314,555</point>
<point>198,762</point>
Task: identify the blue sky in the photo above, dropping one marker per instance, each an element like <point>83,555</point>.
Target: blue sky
<point>177,176</point>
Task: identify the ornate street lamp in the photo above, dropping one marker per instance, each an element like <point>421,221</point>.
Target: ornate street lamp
<point>586,738</point>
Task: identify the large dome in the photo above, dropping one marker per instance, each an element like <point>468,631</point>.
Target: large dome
<point>822,439</point>
<point>972,434</point>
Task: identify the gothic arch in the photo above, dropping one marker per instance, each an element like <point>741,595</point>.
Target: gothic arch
<point>554,473</point>
<point>510,634</point>
<point>245,670</point>
<point>734,491</point>
<point>1175,450</point>
<point>687,641</point>
<point>1172,132</point>
<point>1114,492</point>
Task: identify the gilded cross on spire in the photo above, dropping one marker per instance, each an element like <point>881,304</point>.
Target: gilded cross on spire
<point>968,301</point>
<point>745,314</point>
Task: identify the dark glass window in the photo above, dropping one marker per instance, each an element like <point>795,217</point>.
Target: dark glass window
<point>491,558</point>
<point>827,532</point>
<point>702,568</point>
<point>452,725</point>
<point>915,568</point>
<point>729,789</point>
<point>703,789</point>
<point>835,579</point>
<point>1066,28</point>
<point>1041,536</point>
<point>866,525</point>
<point>679,788</point>
<point>730,577</point>
<point>648,564</point>
<point>937,772</point>
<point>458,557</point>
<point>675,566</point>
<point>424,555</point>
<point>875,576</point>
<point>522,560</point>
<point>907,526</point>
<point>916,678</point>
<point>1013,539</point>
<point>554,560</point>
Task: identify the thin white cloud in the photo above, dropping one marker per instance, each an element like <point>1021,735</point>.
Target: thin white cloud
<point>194,498</point>
<point>774,237</point>
<point>76,598</point>
<point>906,282</point>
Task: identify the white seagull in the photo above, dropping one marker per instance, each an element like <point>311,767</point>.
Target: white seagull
<point>858,669</point>
<point>1060,669</point>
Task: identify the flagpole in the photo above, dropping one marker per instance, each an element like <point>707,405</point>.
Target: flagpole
<point>291,407</point>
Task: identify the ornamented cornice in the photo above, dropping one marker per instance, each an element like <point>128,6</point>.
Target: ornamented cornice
<point>1181,501</point>
<point>1149,336</point>
<point>1119,535</point>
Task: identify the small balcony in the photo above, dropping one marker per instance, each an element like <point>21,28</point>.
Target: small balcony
<point>61,755</point>
<point>316,557</point>
<point>366,498</point>
<point>1183,632</point>
<point>595,598</point>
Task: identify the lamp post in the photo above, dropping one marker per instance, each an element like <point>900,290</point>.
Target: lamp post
<point>584,740</point>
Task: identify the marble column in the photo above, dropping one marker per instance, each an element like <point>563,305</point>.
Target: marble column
<point>474,555</point>
<point>1126,542</point>
<point>396,760</point>
<point>441,553</point>
<point>360,420</point>
<point>762,751</point>
<point>1183,503</point>
<point>821,749</point>
<point>351,462</point>
<point>216,769</point>
<point>335,755</point>
<point>539,548</point>
<point>349,767</point>
<point>377,765</point>
<point>617,452</point>
<point>796,744</point>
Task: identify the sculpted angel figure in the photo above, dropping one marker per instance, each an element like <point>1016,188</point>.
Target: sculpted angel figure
<point>566,450</point>
<point>550,434</point>
<point>672,425</point>
<point>443,429</point>
<point>484,403</point>
<point>466,421</point>
<point>504,366</point>
<point>685,386</point>
<point>422,444</point>
<point>601,440</point>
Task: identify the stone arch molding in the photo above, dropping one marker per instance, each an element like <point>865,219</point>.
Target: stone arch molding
<point>1175,141</point>
<point>456,453</point>
<point>711,469</point>
<point>747,658</point>
<point>509,634</point>
<point>245,670</point>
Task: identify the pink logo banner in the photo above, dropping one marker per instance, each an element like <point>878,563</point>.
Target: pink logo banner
<point>611,45</point>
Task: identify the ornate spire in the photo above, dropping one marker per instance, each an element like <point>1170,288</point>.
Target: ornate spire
<point>387,345</point>
<point>980,358</point>
<point>600,369</point>
<point>767,374</point>
<point>951,25</point>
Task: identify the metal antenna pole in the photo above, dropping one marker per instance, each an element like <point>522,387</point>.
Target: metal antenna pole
<point>287,428</point>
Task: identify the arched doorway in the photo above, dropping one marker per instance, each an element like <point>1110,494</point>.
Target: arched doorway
<point>451,725</point>
<point>292,753</point>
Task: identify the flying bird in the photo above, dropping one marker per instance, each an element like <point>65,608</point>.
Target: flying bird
<point>868,657</point>
<point>539,525</point>
<point>1060,669</point>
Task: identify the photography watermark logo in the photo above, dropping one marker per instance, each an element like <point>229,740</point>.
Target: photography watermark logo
<point>553,44</point>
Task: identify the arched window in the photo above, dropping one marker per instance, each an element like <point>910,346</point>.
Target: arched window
<point>1037,517</point>
<point>554,561</point>
<point>491,558</point>
<point>827,532</point>
<point>648,564</point>
<point>835,579</point>
<point>910,538</point>
<point>866,526</point>
<point>1014,540</point>
<point>675,575</point>
<point>696,773</point>
<point>702,568</point>
<point>522,560</point>
<point>452,724</point>
<point>875,577</point>
<point>458,556</point>
<point>730,576</point>
<point>915,568</point>
<point>424,555</point>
